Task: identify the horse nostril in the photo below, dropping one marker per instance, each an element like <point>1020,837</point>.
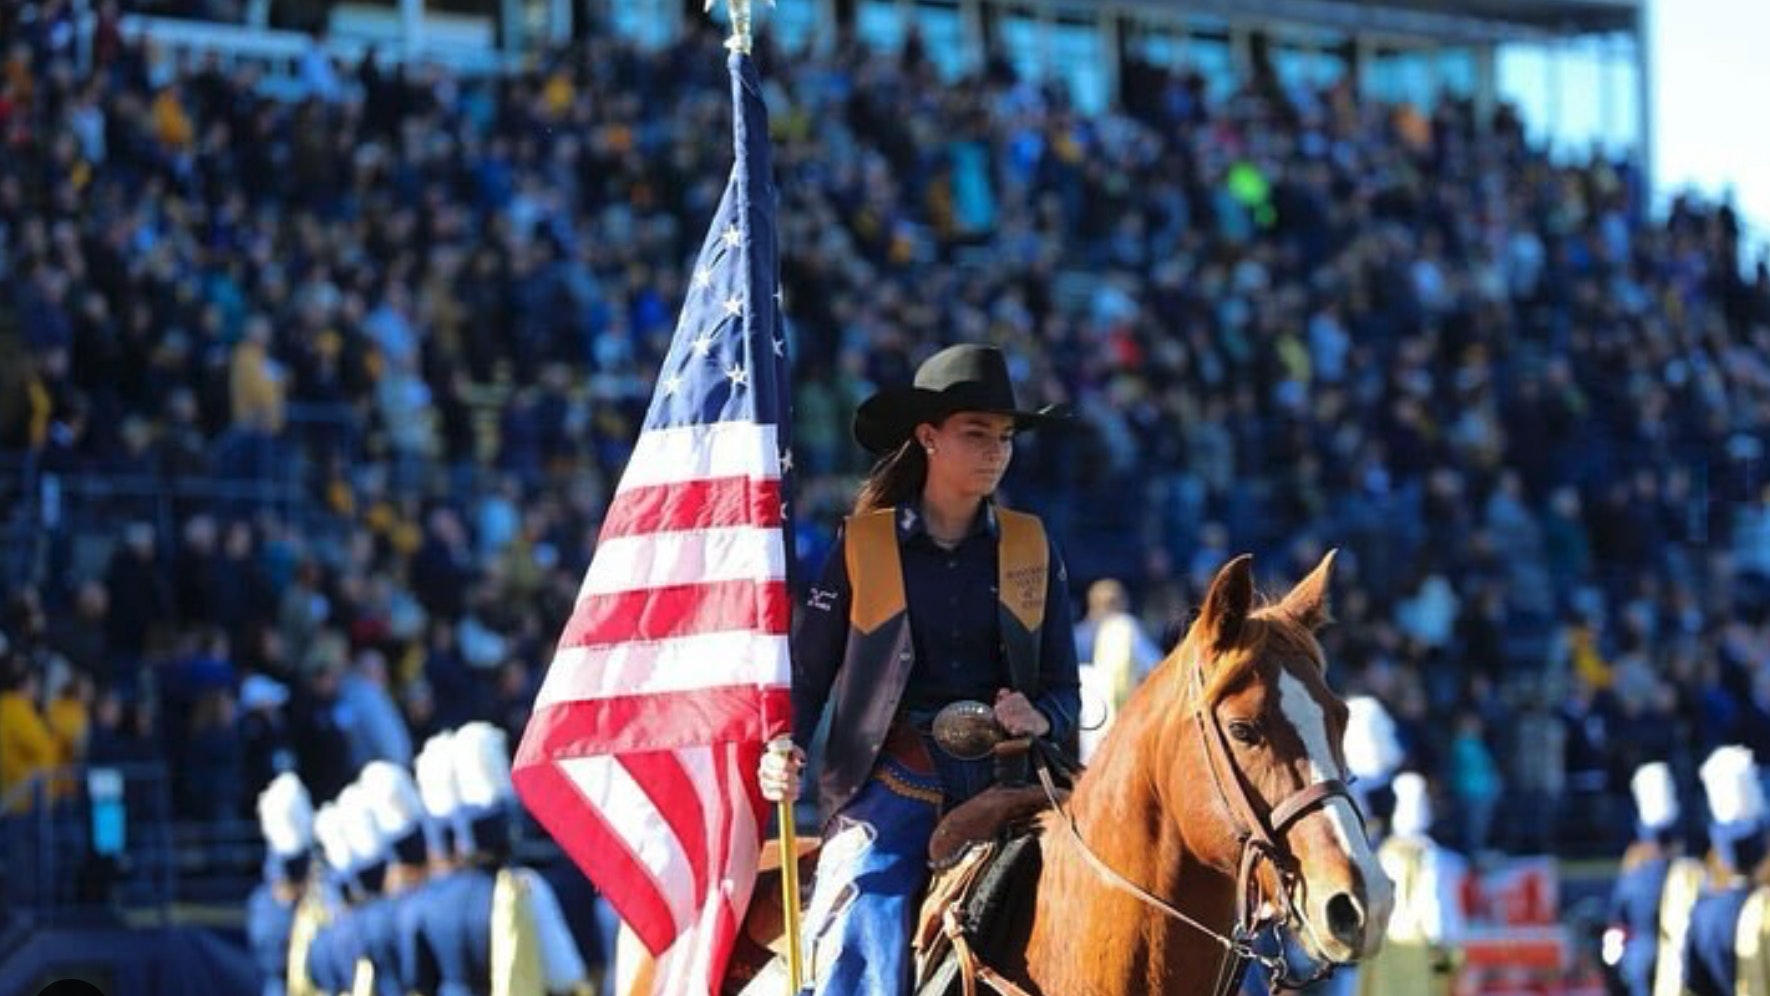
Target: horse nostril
<point>1345,918</point>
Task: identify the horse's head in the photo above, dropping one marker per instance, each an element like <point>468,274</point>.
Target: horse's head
<point>1265,729</point>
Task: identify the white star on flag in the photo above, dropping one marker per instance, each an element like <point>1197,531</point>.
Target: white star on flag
<point>738,376</point>
<point>734,305</point>
<point>671,385</point>
<point>731,236</point>
<point>703,345</point>
<point>703,277</point>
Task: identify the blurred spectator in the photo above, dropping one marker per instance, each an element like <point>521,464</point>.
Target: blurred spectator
<point>1474,782</point>
<point>1536,779</point>
<point>267,742</point>
<point>141,600</point>
<point>67,711</point>
<point>122,733</point>
<point>377,731</point>
<point>208,775</point>
<point>385,348</point>
<point>515,697</point>
<point>80,635</point>
<point>28,747</point>
<point>324,729</point>
<point>1111,638</point>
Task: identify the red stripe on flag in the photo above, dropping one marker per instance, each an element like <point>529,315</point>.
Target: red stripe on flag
<point>603,855</point>
<point>704,504</point>
<point>742,757</point>
<point>678,610</point>
<point>664,721</point>
<point>671,790</point>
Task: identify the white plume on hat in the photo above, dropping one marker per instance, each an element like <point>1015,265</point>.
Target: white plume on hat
<point>435,767</point>
<point>1413,806</point>
<point>328,828</point>
<point>391,798</point>
<point>285,815</point>
<point>361,834</point>
<point>1373,752</point>
<point>482,765</point>
<point>1730,778</point>
<point>1656,797</point>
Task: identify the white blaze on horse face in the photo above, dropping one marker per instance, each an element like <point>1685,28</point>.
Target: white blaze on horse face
<point>1310,722</point>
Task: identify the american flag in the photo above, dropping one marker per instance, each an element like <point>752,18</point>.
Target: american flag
<point>641,756</point>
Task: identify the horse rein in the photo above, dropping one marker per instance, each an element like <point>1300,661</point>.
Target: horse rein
<point>1260,840</point>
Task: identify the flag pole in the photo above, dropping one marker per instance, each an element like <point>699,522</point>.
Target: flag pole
<point>741,42</point>
<point>789,843</point>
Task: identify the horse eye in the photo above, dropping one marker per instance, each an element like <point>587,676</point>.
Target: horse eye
<point>1245,732</point>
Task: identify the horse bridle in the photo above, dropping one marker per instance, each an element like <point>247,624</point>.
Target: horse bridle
<point>1260,839</point>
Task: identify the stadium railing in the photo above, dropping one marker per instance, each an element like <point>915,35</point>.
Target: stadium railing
<point>461,48</point>
<point>89,841</point>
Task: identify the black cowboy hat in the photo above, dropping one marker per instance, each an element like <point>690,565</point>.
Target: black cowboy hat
<point>964,378</point>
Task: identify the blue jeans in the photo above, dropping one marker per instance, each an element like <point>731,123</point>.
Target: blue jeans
<point>871,873</point>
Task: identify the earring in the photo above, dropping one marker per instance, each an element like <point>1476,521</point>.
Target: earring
<point>930,451</point>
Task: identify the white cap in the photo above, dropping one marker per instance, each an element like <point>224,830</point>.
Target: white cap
<point>285,815</point>
<point>435,767</point>
<point>356,812</point>
<point>1413,806</point>
<point>1656,797</point>
<point>257,690</point>
<point>1730,778</point>
<point>391,799</point>
<point>328,829</point>
<point>482,765</point>
<point>1373,752</point>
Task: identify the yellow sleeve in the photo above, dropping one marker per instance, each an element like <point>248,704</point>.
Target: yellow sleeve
<point>1752,942</point>
<point>516,945</point>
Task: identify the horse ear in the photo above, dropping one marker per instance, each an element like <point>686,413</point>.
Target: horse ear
<point>1308,601</point>
<point>1227,604</point>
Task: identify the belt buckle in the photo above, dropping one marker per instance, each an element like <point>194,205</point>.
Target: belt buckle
<point>967,730</point>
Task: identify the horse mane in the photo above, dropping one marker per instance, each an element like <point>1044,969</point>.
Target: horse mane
<point>1270,632</point>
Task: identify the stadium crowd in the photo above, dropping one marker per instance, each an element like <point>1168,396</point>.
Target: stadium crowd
<point>361,369</point>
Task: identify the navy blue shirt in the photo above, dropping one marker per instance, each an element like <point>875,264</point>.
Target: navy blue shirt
<point>954,626</point>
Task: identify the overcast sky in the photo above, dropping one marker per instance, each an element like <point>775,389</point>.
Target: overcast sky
<point>1710,77</point>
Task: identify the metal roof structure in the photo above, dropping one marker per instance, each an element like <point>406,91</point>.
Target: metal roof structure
<point>1554,16</point>
<point>1452,21</point>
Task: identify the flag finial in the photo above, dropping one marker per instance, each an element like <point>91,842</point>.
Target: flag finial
<point>740,23</point>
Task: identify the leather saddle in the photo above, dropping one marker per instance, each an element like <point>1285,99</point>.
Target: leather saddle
<point>986,857</point>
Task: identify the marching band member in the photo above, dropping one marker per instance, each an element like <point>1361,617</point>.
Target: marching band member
<point>1373,755</point>
<point>424,923</point>
<point>391,799</point>
<point>490,926</point>
<point>1721,959</point>
<point>1650,904</point>
<point>285,816</point>
<point>314,963</point>
<point>1420,954</point>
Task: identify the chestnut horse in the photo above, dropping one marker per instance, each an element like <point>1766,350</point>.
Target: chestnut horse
<point>1221,774</point>
<point>1215,806</point>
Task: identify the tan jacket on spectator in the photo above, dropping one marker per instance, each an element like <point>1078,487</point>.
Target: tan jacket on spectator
<point>27,746</point>
<point>172,123</point>
<point>256,388</point>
